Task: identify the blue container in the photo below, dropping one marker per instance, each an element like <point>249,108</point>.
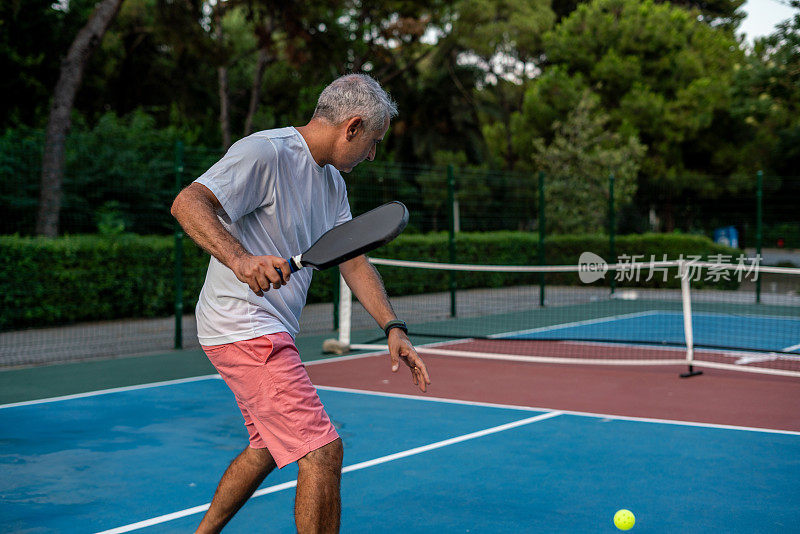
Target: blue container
<point>727,235</point>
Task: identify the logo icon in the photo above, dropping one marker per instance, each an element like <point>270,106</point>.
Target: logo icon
<point>591,267</point>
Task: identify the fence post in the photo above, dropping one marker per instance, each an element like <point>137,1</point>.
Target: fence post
<point>451,196</point>
<point>612,229</point>
<point>759,233</point>
<point>178,252</point>
<point>541,236</point>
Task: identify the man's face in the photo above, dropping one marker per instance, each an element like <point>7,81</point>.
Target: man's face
<point>359,144</point>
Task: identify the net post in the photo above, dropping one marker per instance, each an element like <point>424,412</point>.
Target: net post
<point>335,284</point>
<point>345,312</point>
<point>686,299</point>
<point>759,229</point>
<point>612,223</point>
<point>451,196</point>
<point>178,256</point>
<point>541,237</point>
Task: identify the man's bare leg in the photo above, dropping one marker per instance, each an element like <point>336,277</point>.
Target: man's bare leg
<point>317,507</point>
<point>240,480</point>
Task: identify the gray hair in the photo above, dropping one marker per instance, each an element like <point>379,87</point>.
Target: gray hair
<point>355,95</point>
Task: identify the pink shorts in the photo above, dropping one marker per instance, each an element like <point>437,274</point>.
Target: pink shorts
<point>281,408</point>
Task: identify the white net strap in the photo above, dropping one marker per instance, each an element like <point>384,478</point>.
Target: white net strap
<point>345,311</point>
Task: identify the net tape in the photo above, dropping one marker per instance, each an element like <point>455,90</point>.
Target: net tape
<point>628,324</point>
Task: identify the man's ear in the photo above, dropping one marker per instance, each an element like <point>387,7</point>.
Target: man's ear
<point>353,126</point>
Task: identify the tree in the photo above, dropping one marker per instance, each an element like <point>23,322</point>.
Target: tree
<point>264,33</point>
<point>29,31</point>
<point>69,81</point>
<point>286,32</point>
<point>766,91</point>
<point>661,74</point>
<point>722,14</point>
<point>767,97</point>
<point>222,78</point>
<point>718,13</point>
<point>503,38</point>
<point>578,161</point>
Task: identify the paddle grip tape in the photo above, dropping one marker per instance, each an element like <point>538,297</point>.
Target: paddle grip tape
<point>294,266</point>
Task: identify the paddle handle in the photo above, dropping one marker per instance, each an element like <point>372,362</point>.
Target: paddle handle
<point>294,265</point>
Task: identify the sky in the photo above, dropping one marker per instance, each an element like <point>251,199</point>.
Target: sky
<point>762,16</point>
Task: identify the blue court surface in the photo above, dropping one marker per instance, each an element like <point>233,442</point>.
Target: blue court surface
<point>661,327</point>
<point>146,460</point>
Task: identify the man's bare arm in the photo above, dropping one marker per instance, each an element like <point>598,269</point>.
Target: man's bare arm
<point>367,286</point>
<point>196,209</point>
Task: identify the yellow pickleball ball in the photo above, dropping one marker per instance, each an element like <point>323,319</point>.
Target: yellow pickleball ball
<point>624,519</point>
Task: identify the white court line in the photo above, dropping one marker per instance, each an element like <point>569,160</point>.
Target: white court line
<point>755,358</point>
<point>548,359</point>
<point>747,315</point>
<point>279,487</point>
<point>376,350</point>
<point>565,412</point>
<point>739,365</point>
<point>340,358</point>
<point>163,383</point>
<point>347,469</point>
<point>108,391</point>
<point>578,323</point>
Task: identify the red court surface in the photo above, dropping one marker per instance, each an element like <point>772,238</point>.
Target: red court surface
<point>716,397</point>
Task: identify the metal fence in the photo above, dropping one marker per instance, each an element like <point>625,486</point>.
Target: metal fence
<point>111,187</point>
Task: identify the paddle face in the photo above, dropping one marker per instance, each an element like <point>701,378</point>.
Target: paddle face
<point>355,237</point>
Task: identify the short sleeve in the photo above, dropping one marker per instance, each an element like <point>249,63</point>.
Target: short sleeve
<point>343,214</point>
<point>244,178</point>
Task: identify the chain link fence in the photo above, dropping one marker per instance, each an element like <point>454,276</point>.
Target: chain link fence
<point>114,186</point>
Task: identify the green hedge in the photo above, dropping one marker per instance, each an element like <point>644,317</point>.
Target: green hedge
<point>79,278</point>
<point>49,282</point>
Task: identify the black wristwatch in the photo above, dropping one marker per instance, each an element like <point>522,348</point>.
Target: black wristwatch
<point>396,323</point>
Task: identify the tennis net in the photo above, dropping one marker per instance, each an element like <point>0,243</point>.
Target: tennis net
<point>687,312</point>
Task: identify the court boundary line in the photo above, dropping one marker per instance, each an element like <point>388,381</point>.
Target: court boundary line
<point>563,360</point>
<point>403,396</point>
<point>347,469</point>
<point>748,315</point>
<point>625,316</point>
<point>575,324</point>
<point>380,350</point>
<point>594,415</point>
<point>636,315</point>
<point>547,414</point>
<point>108,391</point>
<point>374,349</point>
<point>160,383</point>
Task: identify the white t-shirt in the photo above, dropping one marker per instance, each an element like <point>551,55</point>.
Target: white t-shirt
<point>277,202</point>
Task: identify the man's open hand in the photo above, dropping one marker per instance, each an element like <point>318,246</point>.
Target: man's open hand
<point>400,348</point>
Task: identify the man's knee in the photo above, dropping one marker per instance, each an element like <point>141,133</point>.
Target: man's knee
<point>328,457</point>
<point>260,458</point>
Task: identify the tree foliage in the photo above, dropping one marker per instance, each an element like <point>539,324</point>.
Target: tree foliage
<point>661,75</point>
<point>767,93</point>
<point>484,84</point>
<point>578,161</point>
